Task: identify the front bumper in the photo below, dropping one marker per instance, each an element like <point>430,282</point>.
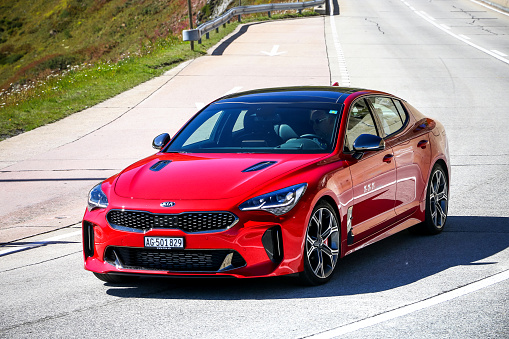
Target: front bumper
<point>259,244</point>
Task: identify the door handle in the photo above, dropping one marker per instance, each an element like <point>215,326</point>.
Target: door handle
<point>388,158</point>
<point>422,144</point>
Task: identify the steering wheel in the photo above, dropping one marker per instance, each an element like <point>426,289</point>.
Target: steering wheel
<point>316,138</point>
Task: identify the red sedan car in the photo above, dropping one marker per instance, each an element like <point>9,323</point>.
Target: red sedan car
<point>271,182</point>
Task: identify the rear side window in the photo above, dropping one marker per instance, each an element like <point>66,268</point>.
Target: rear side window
<point>401,110</point>
<point>390,117</point>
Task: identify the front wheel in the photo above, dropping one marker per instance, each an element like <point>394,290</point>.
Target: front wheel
<point>321,250</point>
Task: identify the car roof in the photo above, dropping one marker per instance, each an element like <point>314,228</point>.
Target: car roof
<point>323,94</point>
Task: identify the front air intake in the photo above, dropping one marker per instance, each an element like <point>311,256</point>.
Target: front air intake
<point>88,239</point>
<point>174,261</point>
<point>273,243</point>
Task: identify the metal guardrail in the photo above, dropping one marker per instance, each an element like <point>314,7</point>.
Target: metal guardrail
<point>196,34</point>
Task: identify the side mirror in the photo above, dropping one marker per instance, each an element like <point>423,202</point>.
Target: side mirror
<point>161,140</point>
<point>367,142</point>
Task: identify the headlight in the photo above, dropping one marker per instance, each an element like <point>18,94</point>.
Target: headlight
<point>277,202</point>
<point>97,198</point>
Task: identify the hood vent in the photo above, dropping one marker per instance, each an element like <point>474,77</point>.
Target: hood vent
<point>259,166</point>
<point>159,165</point>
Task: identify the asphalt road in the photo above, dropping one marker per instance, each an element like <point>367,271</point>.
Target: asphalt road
<point>445,57</point>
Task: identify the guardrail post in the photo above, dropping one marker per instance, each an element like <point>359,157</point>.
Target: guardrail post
<point>240,4</point>
<point>269,14</point>
<point>207,35</point>
<point>190,21</point>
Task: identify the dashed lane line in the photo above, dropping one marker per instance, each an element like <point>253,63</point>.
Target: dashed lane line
<point>345,76</point>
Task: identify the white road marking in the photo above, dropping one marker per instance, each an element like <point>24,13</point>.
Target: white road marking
<point>39,243</point>
<point>274,51</point>
<point>489,7</point>
<point>429,19</point>
<point>200,105</point>
<point>420,305</point>
<point>445,26</point>
<point>499,53</point>
<point>345,77</point>
<point>464,36</point>
<point>425,14</point>
<point>234,90</point>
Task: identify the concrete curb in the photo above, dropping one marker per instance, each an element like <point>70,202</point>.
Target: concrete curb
<point>320,9</point>
<point>77,125</point>
<point>500,4</point>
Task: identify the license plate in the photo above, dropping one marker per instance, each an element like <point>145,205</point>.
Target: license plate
<point>164,242</point>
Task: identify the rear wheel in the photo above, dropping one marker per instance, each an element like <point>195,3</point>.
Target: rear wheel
<point>115,278</point>
<point>321,250</point>
<point>437,201</point>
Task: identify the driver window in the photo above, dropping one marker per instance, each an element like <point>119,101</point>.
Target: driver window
<point>360,122</point>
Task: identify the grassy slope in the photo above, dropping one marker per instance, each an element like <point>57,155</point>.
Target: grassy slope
<point>61,32</point>
<point>114,45</point>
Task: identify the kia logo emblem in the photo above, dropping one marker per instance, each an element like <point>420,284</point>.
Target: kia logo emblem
<point>167,204</point>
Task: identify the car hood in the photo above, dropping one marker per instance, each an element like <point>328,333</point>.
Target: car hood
<point>174,176</point>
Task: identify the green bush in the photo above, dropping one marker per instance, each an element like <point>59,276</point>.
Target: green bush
<point>58,63</point>
<point>10,59</point>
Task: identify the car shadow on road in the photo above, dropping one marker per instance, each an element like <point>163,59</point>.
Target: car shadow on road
<point>394,262</point>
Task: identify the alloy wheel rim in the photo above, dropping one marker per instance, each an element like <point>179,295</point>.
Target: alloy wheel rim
<point>322,243</point>
<point>438,199</point>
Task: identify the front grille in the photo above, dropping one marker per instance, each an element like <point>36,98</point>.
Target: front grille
<point>176,261</point>
<point>187,222</point>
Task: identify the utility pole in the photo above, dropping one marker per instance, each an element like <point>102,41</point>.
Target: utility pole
<point>190,20</point>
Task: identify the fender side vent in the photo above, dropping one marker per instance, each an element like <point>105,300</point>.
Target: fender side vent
<point>259,166</point>
<point>88,239</point>
<point>159,165</point>
<point>272,241</point>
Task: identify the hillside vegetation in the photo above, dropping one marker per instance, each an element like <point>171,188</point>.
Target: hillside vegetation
<point>60,56</point>
<point>41,35</point>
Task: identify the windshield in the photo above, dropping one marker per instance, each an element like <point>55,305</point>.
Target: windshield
<point>260,128</point>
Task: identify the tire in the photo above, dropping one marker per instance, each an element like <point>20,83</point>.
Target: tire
<point>437,201</point>
<point>321,245</point>
<point>115,278</point>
